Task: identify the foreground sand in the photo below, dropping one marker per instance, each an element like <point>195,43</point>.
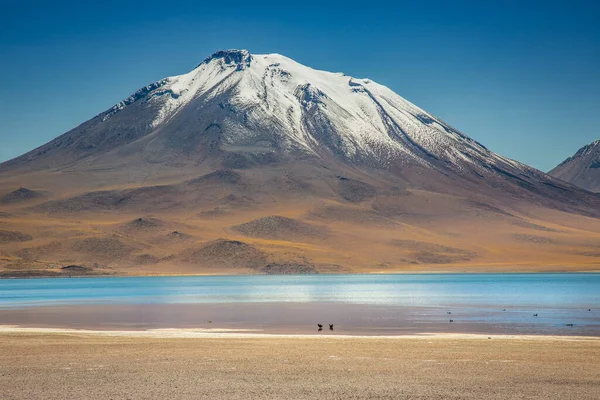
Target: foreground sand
<point>52,364</point>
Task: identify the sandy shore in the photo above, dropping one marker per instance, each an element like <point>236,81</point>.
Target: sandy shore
<point>241,333</point>
<point>192,364</point>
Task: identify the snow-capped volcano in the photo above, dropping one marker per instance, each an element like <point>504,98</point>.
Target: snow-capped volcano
<point>307,111</point>
<point>272,104</point>
<point>256,163</point>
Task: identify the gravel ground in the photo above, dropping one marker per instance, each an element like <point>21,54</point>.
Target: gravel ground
<point>85,366</point>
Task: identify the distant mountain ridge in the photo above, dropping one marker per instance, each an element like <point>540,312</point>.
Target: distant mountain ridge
<point>581,169</point>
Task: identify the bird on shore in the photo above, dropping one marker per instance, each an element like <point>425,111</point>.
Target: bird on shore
<point>330,327</point>
<point>320,327</point>
<point>451,320</point>
<point>448,312</point>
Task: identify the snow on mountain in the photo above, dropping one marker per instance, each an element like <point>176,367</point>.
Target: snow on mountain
<point>307,108</point>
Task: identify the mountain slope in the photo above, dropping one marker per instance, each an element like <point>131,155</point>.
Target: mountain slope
<point>311,170</point>
<point>582,169</point>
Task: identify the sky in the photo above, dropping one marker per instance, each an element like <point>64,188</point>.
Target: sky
<point>521,77</point>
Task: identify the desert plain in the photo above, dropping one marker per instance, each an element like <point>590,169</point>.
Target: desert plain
<point>180,364</point>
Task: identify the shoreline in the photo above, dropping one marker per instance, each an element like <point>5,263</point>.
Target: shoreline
<point>217,333</point>
<point>288,318</point>
<point>412,272</point>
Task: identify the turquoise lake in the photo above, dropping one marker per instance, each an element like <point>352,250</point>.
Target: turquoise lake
<point>498,290</point>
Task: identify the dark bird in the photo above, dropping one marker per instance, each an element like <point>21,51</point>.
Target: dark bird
<point>451,320</point>
<point>320,327</point>
<point>535,315</point>
<point>330,327</point>
<point>448,312</point>
<point>589,309</point>
<point>504,309</point>
<point>569,324</point>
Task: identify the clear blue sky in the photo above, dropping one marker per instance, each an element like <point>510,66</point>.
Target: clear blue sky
<point>521,77</point>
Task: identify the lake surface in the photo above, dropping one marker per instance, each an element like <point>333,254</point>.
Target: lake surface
<point>377,304</point>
